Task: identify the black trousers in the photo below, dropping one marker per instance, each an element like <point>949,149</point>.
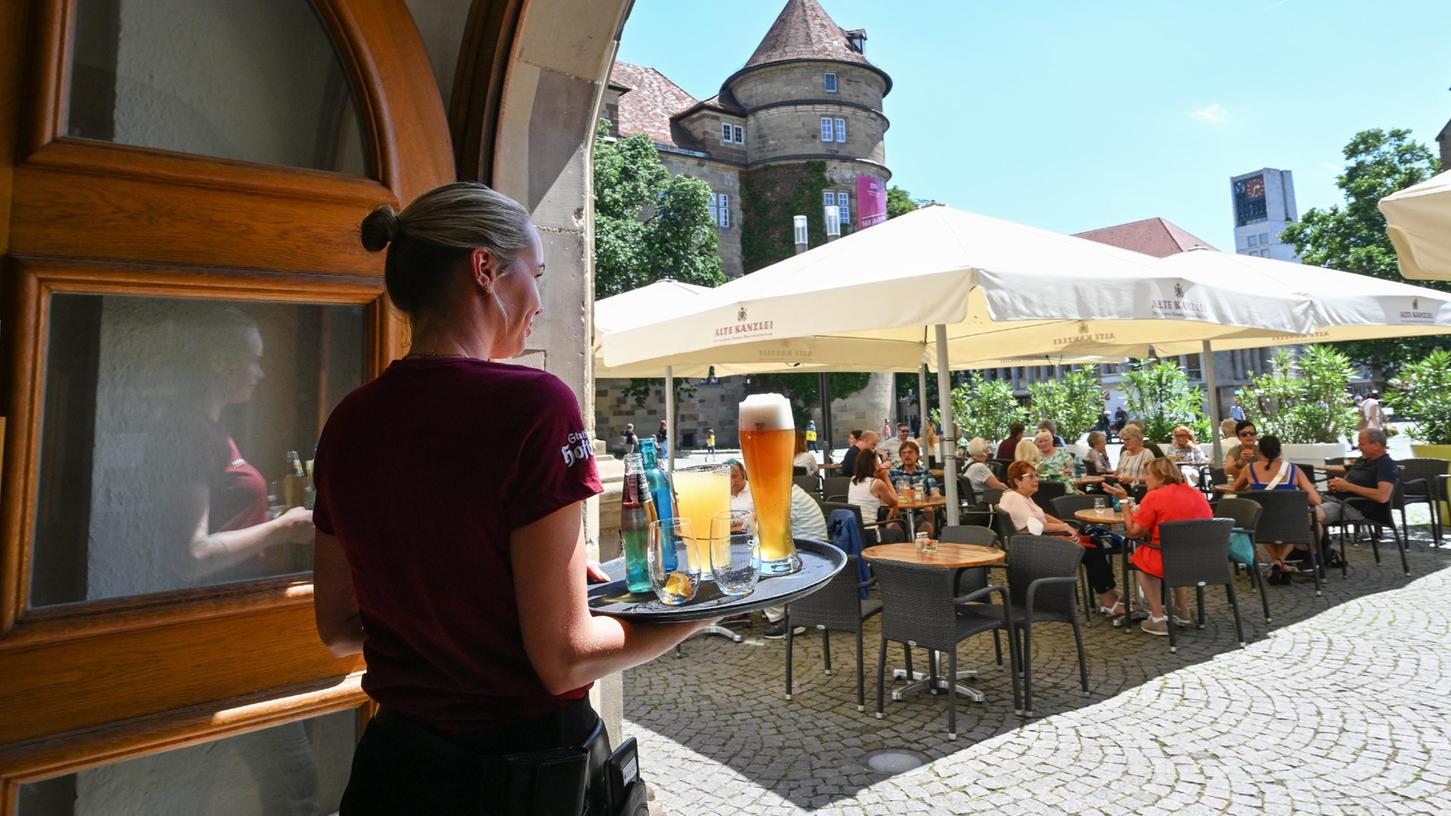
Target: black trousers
<point>401,766</point>
<point>1100,574</point>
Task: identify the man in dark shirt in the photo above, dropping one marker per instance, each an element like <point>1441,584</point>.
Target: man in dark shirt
<point>1009,446</point>
<point>631,441</point>
<point>660,439</point>
<point>1365,490</point>
<point>867,441</point>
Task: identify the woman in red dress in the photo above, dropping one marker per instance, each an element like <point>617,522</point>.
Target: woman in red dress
<point>1169,499</point>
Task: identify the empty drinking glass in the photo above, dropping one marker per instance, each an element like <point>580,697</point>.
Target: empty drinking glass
<point>1099,503</point>
<point>925,544</point>
<point>735,552</point>
<point>677,586</point>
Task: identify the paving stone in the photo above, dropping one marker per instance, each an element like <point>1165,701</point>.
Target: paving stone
<point>1211,729</point>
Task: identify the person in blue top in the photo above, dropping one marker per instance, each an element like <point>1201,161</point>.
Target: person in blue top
<point>1365,490</point>
<point>1236,411</point>
<point>1270,471</point>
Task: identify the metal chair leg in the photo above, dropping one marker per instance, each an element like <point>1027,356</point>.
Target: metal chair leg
<point>997,647</point>
<point>1401,545</point>
<point>882,678</point>
<point>1199,604</point>
<point>826,649</point>
<point>1234,608</point>
<point>861,696</point>
<point>790,647</point>
<point>952,694</point>
<point>1168,613</point>
<point>1082,657</point>
<point>1258,582</point>
<point>1027,658</point>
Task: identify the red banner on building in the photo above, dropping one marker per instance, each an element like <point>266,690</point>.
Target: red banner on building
<point>871,197</point>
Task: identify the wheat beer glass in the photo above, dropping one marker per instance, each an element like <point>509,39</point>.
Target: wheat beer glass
<point>768,437</point>
<point>701,492</point>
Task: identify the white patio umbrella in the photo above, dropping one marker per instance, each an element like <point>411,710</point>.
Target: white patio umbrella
<point>1344,306</point>
<point>1418,221</point>
<point>988,288</point>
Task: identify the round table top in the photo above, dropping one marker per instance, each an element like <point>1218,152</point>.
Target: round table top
<point>947,556</point>
<point>1223,488</point>
<point>919,502</point>
<point>1107,515</point>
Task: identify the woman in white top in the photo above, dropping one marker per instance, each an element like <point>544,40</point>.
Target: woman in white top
<point>804,458</point>
<point>870,489</point>
<point>978,474</point>
<point>1134,457</point>
<point>1018,503</point>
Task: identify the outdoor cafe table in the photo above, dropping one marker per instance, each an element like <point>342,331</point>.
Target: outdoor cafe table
<point>948,556</point>
<point>1109,516</point>
<point>918,502</point>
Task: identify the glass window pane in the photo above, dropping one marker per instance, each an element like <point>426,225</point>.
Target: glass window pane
<point>165,438</point>
<point>294,769</point>
<point>207,77</point>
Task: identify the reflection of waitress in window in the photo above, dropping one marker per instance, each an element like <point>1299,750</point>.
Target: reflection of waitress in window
<point>223,497</point>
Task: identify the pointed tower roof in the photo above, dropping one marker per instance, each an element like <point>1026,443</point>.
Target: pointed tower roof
<point>804,31</point>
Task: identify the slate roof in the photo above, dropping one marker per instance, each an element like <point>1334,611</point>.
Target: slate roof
<point>1151,236</point>
<point>803,30</point>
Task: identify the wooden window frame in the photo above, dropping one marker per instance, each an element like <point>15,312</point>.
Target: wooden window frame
<point>33,283</point>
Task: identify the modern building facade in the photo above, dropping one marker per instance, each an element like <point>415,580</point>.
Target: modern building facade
<point>1263,203</point>
<point>803,114</point>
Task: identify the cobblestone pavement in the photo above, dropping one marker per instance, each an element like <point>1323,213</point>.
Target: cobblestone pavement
<point>1342,705</point>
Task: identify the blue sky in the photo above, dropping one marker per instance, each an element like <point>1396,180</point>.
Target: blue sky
<point>1077,115</point>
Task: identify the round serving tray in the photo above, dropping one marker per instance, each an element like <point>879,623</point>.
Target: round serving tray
<point>819,563</point>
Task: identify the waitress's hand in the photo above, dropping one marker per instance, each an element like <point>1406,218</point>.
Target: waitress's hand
<point>296,526</point>
<point>594,573</point>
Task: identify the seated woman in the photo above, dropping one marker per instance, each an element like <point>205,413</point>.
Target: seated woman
<point>1185,449</point>
<point>1029,518</point>
<point>870,488</point>
<point>1027,451</point>
<point>1134,457</point>
<point>804,458</point>
<point>978,473</point>
<point>1270,471</point>
<point>1055,464</point>
<point>1169,499</point>
<point>1096,462</point>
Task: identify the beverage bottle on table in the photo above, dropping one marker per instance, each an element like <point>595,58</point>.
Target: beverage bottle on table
<point>637,510</point>
<point>294,482</point>
<point>659,490</point>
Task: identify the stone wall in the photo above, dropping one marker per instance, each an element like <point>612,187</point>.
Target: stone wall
<point>712,406</point>
<point>722,178</point>
<point>795,130</point>
<point>805,80</point>
<point>865,409</point>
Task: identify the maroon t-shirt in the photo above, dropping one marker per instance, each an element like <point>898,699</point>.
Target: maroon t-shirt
<point>421,475</point>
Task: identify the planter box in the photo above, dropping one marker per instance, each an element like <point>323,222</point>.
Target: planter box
<point>1433,452</point>
<point>1312,453</point>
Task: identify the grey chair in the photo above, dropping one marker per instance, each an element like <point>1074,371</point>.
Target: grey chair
<point>1047,492</point>
<point>1377,517</point>
<point>1286,520</point>
<point>836,607</point>
<point>1196,554</point>
<point>1420,486</point>
<point>834,488</point>
<point>811,484</point>
<point>971,580</point>
<point>1246,516</point>
<point>1042,587</point>
<point>920,608</point>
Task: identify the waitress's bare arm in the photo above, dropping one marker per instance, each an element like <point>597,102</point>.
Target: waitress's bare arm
<point>568,646</point>
<point>334,605</point>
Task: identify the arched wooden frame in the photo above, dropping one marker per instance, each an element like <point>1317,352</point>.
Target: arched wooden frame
<point>96,217</point>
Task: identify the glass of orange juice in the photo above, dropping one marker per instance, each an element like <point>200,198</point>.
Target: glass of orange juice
<point>701,492</point>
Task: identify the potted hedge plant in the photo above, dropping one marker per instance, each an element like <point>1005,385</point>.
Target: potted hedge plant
<point>1424,394</point>
<point>1073,403</point>
<point>985,408</point>
<point>1159,393</point>
<point>1305,401</point>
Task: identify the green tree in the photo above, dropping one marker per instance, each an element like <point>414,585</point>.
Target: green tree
<point>1073,402</point>
<point>1159,393</point>
<point>804,390</point>
<point>1424,388</point>
<point>1302,399</point>
<point>900,202</point>
<point>1352,237</point>
<point>649,224</point>
<point>985,408</point>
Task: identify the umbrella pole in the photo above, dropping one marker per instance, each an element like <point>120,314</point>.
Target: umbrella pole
<point>670,416</point>
<point>824,391</point>
<point>949,430</point>
<point>1206,362</point>
<point>922,403</point>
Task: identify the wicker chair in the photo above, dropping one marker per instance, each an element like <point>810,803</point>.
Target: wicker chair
<point>1286,520</point>
<point>1377,517</point>
<point>1246,516</point>
<point>971,580</point>
<point>811,484</point>
<point>920,608</point>
<point>1042,581</point>
<point>1047,492</point>
<point>836,607</point>
<point>1420,486</point>
<point>1196,553</point>
<point>834,488</point>
<point>1064,507</point>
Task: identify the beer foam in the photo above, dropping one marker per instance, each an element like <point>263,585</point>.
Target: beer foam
<point>766,412</point>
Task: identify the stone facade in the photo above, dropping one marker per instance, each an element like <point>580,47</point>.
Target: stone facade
<point>806,69</point>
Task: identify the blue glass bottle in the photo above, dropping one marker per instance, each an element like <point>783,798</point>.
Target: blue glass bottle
<point>659,489</point>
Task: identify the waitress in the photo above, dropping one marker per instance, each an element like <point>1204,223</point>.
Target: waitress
<point>463,584</point>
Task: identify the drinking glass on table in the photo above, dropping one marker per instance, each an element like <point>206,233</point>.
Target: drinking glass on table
<point>925,544</point>
<point>673,536</point>
<point>1099,503</point>
<point>735,552</point>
